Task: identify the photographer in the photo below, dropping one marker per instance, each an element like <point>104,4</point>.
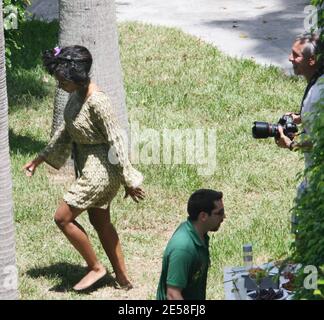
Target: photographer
<point>304,58</point>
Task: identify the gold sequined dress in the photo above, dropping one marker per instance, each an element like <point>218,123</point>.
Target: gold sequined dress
<point>90,126</point>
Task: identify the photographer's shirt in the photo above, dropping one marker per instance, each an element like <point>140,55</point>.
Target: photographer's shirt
<point>312,106</point>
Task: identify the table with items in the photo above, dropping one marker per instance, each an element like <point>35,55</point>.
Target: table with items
<point>265,282</point>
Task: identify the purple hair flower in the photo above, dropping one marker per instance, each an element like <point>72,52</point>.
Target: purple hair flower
<point>57,51</point>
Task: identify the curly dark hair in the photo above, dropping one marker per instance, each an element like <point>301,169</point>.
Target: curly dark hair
<point>72,63</point>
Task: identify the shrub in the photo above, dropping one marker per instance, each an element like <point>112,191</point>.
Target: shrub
<point>309,209</point>
<point>14,14</point>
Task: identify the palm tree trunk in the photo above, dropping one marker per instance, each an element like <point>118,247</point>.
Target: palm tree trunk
<point>92,23</point>
<point>8,271</point>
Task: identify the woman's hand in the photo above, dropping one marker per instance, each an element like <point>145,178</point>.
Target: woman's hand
<point>31,166</point>
<point>135,193</point>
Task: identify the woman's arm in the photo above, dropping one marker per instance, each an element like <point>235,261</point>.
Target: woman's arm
<point>58,149</point>
<point>117,140</point>
<point>55,153</point>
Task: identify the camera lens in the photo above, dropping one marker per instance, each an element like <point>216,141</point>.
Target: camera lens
<point>263,130</point>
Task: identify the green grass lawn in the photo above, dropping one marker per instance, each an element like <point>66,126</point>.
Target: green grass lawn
<point>172,81</point>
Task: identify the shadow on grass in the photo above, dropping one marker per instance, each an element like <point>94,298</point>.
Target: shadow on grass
<point>24,144</point>
<point>68,274</point>
<point>23,84</point>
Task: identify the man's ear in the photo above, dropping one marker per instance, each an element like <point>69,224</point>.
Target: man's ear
<point>312,61</point>
<point>202,216</point>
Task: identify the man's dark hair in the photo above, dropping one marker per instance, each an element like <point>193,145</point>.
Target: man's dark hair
<point>72,63</point>
<point>202,200</point>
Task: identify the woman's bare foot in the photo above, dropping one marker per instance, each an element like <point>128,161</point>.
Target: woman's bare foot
<point>123,283</point>
<point>94,274</point>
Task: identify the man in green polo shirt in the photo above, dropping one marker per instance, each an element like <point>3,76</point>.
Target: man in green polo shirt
<point>186,257</point>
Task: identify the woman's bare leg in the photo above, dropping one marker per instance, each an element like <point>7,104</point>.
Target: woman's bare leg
<point>100,219</point>
<point>65,219</point>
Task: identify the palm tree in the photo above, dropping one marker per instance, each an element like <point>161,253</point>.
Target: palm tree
<point>93,25</point>
<point>8,271</point>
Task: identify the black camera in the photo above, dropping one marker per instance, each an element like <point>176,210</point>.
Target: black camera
<point>263,130</point>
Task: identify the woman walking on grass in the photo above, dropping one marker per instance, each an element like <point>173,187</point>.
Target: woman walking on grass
<point>90,128</point>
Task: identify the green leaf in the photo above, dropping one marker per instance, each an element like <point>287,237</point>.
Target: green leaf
<point>317,292</point>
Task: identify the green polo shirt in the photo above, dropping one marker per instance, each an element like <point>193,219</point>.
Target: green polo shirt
<point>185,264</point>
